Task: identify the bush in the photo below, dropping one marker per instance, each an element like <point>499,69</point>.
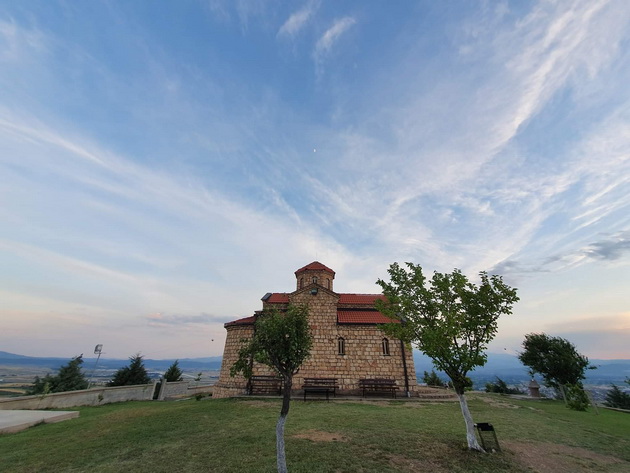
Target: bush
<point>130,375</point>
<point>173,373</point>
<point>576,397</point>
<point>617,398</point>
<point>432,379</point>
<point>69,378</point>
<point>501,387</point>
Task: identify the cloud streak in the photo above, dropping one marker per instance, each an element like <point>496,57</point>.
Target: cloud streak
<point>298,20</point>
<point>327,41</point>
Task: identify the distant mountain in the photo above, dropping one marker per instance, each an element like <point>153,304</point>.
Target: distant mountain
<point>11,356</point>
<point>512,371</point>
<point>190,364</point>
<point>505,366</point>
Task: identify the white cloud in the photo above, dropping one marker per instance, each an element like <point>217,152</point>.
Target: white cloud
<point>325,43</point>
<point>299,19</point>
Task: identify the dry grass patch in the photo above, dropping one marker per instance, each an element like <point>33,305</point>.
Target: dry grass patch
<point>546,457</point>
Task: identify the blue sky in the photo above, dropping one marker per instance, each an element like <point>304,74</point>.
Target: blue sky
<point>163,165</point>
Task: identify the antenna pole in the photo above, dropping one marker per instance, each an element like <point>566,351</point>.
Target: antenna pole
<point>97,350</point>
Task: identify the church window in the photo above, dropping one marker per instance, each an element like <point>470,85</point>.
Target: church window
<point>341,346</point>
<point>314,279</point>
<point>327,283</point>
<point>385,346</point>
<point>301,282</point>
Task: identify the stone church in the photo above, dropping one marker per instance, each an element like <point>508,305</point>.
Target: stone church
<point>347,342</point>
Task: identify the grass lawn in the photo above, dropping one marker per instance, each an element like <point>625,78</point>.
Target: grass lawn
<point>230,435</point>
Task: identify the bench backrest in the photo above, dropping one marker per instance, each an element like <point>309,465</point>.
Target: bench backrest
<point>377,382</point>
<point>265,379</point>
<point>320,381</point>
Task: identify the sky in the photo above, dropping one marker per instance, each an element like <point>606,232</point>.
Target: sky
<point>163,165</point>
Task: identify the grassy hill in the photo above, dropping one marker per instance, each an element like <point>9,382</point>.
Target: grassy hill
<point>231,435</point>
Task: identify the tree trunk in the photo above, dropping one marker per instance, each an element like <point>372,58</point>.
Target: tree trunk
<point>281,458</point>
<point>470,426</point>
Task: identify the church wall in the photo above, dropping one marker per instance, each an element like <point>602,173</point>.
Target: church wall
<point>228,386</point>
<point>363,356</point>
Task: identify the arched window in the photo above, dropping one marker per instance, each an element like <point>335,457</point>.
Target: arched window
<point>327,283</point>
<point>341,346</point>
<point>314,279</point>
<point>385,346</point>
<point>301,282</point>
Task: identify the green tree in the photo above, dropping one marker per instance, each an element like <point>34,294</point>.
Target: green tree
<point>617,398</point>
<point>282,341</point>
<point>173,373</point>
<point>448,318</point>
<point>133,374</point>
<point>432,379</point>
<point>556,360</point>
<point>68,378</point>
<point>501,387</point>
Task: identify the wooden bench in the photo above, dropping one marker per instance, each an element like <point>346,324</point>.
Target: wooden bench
<point>378,385</point>
<point>264,385</point>
<point>320,386</point>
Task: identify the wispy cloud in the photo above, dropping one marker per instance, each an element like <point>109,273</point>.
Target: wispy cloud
<point>299,19</point>
<point>325,43</point>
<point>161,320</point>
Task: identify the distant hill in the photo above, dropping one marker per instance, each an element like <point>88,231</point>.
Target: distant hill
<point>512,371</point>
<point>505,366</point>
<point>53,363</point>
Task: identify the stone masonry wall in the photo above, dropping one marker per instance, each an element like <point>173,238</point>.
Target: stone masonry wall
<point>229,386</point>
<point>363,357</point>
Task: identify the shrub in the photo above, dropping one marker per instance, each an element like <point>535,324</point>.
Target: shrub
<point>432,379</point>
<point>501,387</point>
<point>69,378</point>
<point>130,375</point>
<point>617,398</point>
<point>576,397</point>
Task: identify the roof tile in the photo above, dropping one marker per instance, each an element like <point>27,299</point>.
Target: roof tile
<point>362,317</point>
<point>315,266</point>
<point>244,321</point>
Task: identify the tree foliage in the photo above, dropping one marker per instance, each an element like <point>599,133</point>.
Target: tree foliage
<point>500,387</point>
<point>618,398</point>
<point>555,359</point>
<point>173,373</point>
<point>448,318</point>
<point>282,341</point>
<point>69,378</point>
<point>432,379</point>
<point>134,373</point>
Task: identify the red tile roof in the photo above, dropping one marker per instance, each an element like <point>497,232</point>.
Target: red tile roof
<point>278,298</point>
<point>360,299</point>
<point>362,317</point>
<point>315,266</point>
<point>244,321</point>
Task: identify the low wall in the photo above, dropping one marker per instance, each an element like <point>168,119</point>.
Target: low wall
<point>85,397</point>
<point>180,389</point>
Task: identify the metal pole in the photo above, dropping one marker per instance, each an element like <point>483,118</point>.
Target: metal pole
<point>98,349</point>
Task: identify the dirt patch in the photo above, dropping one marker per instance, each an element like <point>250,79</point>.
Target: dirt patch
<point>545,457</point>
<point>320,436</point>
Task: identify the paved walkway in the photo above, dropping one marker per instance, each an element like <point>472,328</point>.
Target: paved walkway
<point>14,421</point>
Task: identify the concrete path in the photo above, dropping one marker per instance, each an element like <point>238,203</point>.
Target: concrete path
<point>14,421</point>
